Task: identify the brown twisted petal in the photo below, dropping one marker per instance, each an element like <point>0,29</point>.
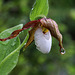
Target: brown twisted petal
<point>53,27</point>
<point>14,34</point>
<point>26,26</point>
<point>31,35</point>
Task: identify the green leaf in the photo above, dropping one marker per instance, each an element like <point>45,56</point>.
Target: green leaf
<point>8,55</point>
<point>40,9</point>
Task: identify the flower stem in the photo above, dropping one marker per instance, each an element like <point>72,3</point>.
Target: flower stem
<point>23,43</point>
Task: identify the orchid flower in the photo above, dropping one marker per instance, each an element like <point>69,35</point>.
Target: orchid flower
<point>41,32</point>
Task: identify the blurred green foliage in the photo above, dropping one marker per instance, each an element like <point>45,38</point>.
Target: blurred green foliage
<point>31,61</point>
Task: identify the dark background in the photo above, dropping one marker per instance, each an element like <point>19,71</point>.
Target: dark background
<point>31,61</point>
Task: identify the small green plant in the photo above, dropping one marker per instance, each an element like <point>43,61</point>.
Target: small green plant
<point>41,31</point>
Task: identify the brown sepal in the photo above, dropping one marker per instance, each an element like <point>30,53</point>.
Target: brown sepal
<point>53,27</point>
